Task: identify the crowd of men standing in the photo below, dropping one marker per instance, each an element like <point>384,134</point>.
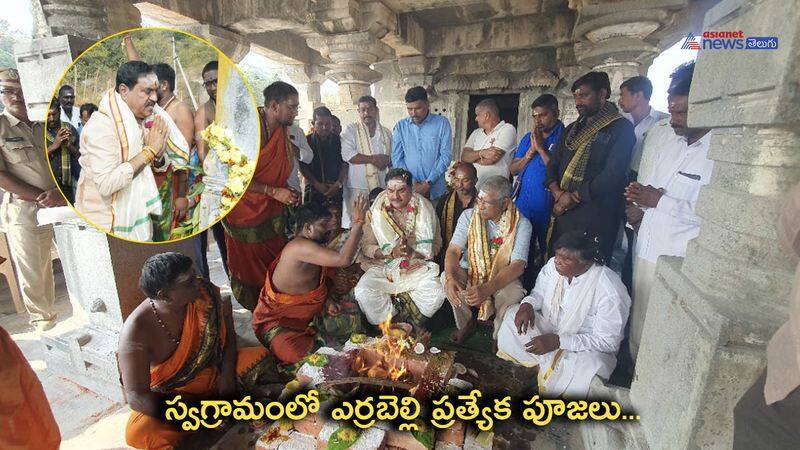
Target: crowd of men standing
<point>612,187</point>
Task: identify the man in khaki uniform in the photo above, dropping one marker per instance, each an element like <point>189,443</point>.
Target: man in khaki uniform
<point>28,186</point>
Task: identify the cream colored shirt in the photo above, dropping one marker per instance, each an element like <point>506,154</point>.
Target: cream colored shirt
<point>103,173</point>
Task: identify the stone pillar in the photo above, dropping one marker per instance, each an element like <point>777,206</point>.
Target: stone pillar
<point>102,278</point>
<point>351,55</point>
<point>568,71</point>
<point>89,19</point>
<point>233,45</point>
<point>615,42</point>
<point>307,79</point>
<point>63,30</point>
<point>711,314</point>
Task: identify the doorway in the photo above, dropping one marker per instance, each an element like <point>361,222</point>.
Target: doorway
<point>508,104</point>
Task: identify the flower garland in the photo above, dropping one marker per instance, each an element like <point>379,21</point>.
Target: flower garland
<point>501,231</point>
<point>450,175</point>
<point>407,226</point>
<point>240,169</point>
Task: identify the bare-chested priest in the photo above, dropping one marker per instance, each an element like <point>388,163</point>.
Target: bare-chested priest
<point>181,340</point>
<point>295,290</point>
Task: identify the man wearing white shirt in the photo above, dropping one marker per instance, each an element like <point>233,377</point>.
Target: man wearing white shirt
<point>571,324</point>
<point>306,155</point>
<point>491,146</point>
<point>69,112</point>
<point>664,201</point>
<point>366,147</point>
<point>634,100</point>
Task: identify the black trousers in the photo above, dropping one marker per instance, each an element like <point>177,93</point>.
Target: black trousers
<point>769,427</point>
<point>201,250</point>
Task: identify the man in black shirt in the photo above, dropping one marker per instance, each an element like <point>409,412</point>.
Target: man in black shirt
<point>326,173</point>
<point>588,172</point>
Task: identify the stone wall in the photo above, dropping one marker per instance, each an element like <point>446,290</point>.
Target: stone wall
<point>711,314</point>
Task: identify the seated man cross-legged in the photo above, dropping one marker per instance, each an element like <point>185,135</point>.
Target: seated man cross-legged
<point>295,291</point>
<point>400,241</point>
<point>572,323</point>
<point>486,258</point>
<point>181,341</point>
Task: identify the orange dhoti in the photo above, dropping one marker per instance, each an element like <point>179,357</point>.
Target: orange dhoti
<point>255,227</point>
<point>26,420</point>
<point>282,322</point>
<point>193,371</point>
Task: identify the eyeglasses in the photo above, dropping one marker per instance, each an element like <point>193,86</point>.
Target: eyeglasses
<point>480,200</point>
<point>209,83</point>
<point>9,92</point>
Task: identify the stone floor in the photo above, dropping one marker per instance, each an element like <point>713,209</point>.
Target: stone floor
<point>90,420</point>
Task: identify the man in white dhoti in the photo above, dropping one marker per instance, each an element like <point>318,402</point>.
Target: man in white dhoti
<point>129,133</point>
<point>366,147</point>
<point>486,257</point>
<point>400,240</point>
<point>571,324</point>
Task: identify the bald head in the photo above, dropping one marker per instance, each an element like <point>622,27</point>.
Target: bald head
<point>487,114</point>
<point>464,179</point>
<point>488,106</point>
<point>467,169</point>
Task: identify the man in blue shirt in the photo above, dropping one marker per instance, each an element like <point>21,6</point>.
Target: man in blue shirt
<point>422,144</point>
<point>485,259</point>
<point>530,167</point>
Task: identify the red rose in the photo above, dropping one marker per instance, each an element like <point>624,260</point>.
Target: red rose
<point>148,124</point>
<point>404,264</point>
<point>497,241</point>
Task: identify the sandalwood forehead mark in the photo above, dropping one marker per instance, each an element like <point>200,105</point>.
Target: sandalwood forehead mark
<point>395,184</point>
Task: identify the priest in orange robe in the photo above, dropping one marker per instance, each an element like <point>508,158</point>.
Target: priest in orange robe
<point>255,227</point>
<point>181,341</point>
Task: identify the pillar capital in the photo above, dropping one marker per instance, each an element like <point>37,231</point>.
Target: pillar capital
<point>352,54</point>
<point>617,42</point>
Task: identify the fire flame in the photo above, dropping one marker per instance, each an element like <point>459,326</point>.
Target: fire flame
<point>394,342</point>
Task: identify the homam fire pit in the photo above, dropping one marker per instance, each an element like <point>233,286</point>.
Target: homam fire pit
<point>392,364</point>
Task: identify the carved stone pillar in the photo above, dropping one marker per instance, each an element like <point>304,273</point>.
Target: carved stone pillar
<point>615,42</point>
<point>351,55</point>
<point>307,79</point>
<point>64,28</point>
<point>711,313</point>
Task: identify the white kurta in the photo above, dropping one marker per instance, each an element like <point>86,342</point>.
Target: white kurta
<point>356,182</point>
<point>298,138</point>
<point>420,280</point>
<point>641,130</point>
<point>504,137</point>
<point>589,316</point>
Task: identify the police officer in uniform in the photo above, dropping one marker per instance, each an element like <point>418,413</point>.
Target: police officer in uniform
<point>27,186</point>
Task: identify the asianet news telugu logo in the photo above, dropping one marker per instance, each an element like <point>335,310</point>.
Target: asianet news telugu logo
<point>729,40</point>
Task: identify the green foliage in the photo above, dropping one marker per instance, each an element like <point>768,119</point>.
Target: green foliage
<point>9,37</point>
<point>424,436</point>
<point>343,438</point>
<point>258,80</point>
<point>97,68</point>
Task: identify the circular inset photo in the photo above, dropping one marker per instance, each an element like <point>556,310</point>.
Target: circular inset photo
<point>152,135</point>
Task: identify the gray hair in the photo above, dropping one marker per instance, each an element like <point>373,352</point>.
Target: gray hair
<point>490,106</point>
<point>497,185</point>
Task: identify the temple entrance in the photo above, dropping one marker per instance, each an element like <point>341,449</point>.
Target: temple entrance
<point>508,104</point>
